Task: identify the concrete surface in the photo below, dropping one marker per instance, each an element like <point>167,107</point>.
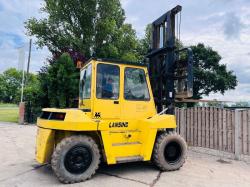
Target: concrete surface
<point>18,167</point>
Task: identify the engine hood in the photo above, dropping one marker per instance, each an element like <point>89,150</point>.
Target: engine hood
<point>66,119</point>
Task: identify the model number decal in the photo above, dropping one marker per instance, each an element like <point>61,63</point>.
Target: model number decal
<point>118,124</point>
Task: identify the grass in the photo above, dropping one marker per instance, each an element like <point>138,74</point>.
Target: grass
<point>8,112</point>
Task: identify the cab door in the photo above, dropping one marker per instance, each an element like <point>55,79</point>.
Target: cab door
<point>107,91</point>
<point>137,96</point>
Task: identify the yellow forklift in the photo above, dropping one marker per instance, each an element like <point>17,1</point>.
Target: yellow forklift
<point>125,113</point>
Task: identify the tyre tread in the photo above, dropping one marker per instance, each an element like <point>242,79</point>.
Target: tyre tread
<point>56,157</point>
<point>156,154</point>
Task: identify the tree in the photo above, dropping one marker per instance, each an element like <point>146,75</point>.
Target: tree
<point>59,83</point>
<point>3,91</point>
<point>31,88</point>
<point>215,103</point>
<point>10,85</point>
<point>12,80</point>
<point>145,43</point>
<point>209,75</point>
<point>91,27</point>
<point>241,104</point>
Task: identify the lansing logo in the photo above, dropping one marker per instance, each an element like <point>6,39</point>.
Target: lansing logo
<point>118,124</point>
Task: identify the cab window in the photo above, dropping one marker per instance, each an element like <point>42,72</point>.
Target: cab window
<point>135,85</point>
<point>85,82</point>
<point>107,81</point>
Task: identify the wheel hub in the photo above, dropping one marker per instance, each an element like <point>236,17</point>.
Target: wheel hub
<point>172,152</point>
<point>78,159</point>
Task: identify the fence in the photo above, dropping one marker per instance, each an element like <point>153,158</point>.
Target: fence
<point>216,128</point>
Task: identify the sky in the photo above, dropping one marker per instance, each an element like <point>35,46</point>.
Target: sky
<point>223,25</point>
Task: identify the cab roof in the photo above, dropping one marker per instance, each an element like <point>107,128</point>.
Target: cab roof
<point>116,62</point>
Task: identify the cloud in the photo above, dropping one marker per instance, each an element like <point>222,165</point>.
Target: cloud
<point>15,39</point>
<point>1,7</point>
<point>213,16</point>
<point>126,3</point>
<point>232,26</point>
<point>241,68</point>
<point>9,56</point>
<point>241,93</point>
<point>13,14</point>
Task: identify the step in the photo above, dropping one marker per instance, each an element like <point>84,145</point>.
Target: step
<point>129,159</point>
<point>126,143</point>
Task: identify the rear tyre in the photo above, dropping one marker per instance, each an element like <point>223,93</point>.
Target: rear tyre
<point>169,152</point>
<point>75,159</point>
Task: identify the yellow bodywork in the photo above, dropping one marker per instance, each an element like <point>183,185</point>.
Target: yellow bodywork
<point>125,130</point>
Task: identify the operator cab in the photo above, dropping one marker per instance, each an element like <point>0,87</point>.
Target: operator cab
<point>115,89</point>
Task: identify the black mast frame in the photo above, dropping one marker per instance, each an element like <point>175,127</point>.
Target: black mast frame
<point>165,67</point>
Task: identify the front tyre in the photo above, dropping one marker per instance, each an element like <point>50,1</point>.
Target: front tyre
<point>75,159</point>
<point>169,152</point>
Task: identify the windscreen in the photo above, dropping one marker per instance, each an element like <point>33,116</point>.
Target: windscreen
<point>135,85</point>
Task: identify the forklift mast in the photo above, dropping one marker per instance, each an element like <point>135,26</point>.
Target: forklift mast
<point>170,68</point>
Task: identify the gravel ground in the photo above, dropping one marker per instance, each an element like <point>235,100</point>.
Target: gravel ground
<point>18,167</point>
